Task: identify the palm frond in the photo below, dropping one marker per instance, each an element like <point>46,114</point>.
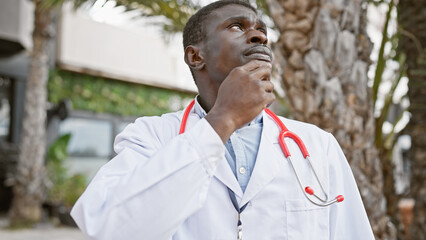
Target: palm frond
<point>55,3</point>
<point>177,12</point>
<point>381,62</point>
<point>388,100</point>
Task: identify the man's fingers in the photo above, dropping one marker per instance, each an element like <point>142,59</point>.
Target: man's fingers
<point>269,98</point>
<point>263,74</point>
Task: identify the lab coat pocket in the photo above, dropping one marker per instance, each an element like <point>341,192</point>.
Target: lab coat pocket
<point>306,221</point>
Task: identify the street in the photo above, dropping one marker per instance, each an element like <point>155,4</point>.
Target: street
<point>42,231</point>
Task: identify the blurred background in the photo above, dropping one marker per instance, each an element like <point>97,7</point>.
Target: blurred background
<point>74,73</point>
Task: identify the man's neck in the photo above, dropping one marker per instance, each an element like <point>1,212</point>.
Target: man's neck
<point>206,102</point>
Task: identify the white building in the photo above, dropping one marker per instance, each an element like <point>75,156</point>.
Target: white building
<point>90,45</point>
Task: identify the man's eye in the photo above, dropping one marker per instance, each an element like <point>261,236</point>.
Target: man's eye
<point>263,30</point>
<point>236,26</point>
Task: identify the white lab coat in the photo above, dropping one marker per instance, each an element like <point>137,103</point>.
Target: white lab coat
<point>162,186</point>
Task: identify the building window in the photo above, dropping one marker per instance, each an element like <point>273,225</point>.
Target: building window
<point>121,126</point>
<point>90,145</point>
<point>90,138</point>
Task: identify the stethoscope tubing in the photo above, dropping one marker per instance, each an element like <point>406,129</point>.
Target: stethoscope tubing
<point>284,132</point>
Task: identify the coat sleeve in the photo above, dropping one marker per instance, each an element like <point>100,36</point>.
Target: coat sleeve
<point>150,188</point>
<point>348,219</point>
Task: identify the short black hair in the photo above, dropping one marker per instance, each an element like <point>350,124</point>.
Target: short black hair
<point>194,30</point>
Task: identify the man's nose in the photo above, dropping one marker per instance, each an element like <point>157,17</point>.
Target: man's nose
<point>256,36</point>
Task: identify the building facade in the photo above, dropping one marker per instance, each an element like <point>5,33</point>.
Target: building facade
<point>102,77</point>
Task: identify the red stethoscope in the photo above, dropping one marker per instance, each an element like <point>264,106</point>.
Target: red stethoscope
<point>284,132</point>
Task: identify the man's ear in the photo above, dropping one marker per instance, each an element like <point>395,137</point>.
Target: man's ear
<point>194,58</point>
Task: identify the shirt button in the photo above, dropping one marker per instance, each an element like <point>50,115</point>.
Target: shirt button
<point>242,170</point>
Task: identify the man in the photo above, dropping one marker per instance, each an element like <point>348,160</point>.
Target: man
<point>225,177</point>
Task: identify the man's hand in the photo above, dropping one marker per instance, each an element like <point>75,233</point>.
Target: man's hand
<point>244,93</point>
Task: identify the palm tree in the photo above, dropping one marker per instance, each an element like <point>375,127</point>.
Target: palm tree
<point>412,18</point>
<point>323,51</point>
<point>28,180</point>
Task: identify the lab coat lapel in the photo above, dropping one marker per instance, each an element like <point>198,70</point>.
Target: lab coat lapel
<point>227,177</point>
<point>268,159</point>
<point>223,170</point>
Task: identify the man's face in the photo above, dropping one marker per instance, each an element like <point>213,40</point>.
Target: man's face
<point>235,35</point>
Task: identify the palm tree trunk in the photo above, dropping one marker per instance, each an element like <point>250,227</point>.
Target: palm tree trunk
<point>412,19</point>
<point>324,51</point>
<point>28,181</point>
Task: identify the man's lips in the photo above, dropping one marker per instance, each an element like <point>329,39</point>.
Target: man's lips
<point>259,52</point>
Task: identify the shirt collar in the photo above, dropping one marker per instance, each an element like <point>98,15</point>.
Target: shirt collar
<point>198,109</point>
<point>202,113</point>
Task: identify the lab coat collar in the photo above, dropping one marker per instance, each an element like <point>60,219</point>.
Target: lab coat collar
<point>268,164</point>
<point>268,160</point>
<point>226,176</point>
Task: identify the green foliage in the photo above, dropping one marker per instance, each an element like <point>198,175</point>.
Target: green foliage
<point>177,12</point>
<point>55,3</point>
<point>385,142</point>
<point>74,186</point>
<point>56,156</point>
<point>381,62</point>
<point>377,2</point>
<point>110,96</point>
<point>64,189</point>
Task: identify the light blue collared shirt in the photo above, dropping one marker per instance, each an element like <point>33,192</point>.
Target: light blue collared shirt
<point>241,147</point>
